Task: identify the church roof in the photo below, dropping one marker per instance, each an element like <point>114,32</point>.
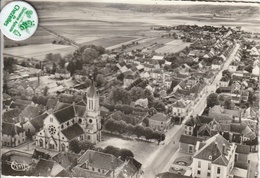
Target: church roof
<point>65,114</point>
<point>73,131</point>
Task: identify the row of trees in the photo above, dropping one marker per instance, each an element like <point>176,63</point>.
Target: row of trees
<point>123,128</point>
<point>121,96</point>
<point>77,146</point>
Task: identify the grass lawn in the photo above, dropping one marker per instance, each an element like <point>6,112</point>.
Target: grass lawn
<point>173,47</point>
<point>142,150</point>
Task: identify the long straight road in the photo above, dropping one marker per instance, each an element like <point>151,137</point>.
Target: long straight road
<point>164,155</point>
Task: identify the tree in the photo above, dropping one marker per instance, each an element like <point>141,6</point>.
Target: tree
<point>139,131</point>
<point>71,67</point>
<point>79,65</point>
<point>54,68</point>
<point>212,100</point>
<point>49,56</point>
<point>226,73</point>
<point>159,106</point>
<point>62,63</point>
<point>228,103</point>
<point>57,57</point>
<point>136,93</point>
<point>87,82</point>
<point>112,150</point>
<point>110,125</point>
<point>74,146</point>
<point>45,92</point>
<point>126,154</point>
<point>86,145</point>
<point>148,133</point>
<point>35,99</point>
<point>119,95</point>
<point>100,80</point>
<point>9,63</point>
<point>121,128</point>
<point>89,55</point>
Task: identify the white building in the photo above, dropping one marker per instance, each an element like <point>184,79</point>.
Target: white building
<point>72,122</point>
<point>181,108</point>
<point>214,158</point>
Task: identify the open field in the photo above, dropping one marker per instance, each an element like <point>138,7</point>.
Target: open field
<point>172,47</point>
<point>142,150</point>
<point>110,25</point>
<point>39,51</point>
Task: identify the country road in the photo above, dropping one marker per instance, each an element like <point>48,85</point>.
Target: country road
<point>165,153</point>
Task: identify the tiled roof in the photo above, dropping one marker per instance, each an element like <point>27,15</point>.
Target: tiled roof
<point>39,154</point>
<point>80,110</point>
<point>37,122</point>
<point>73,131</point>
<point>11,129</point>
<point>51,103</point>
<point>10,115</point>
<point>190,139</point>
<point>244,149</point>
<point>65,114</point>
<point>214,149</point>
<point>65,159</point>
<point>21,104</point>
<point>60,106</point>
<point>6,96</point>
<point>100,160</point>
<point>221,160</point>
<point>30,112</point>
<point>47,168</point>
<point>179,104</point>
<point>159,117</point>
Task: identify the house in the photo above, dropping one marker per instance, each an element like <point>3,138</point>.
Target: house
<point>158,58</point>
<point>97,164</point>
<point>72,122</point>
<point>224,82</point>
<point>49,168</point>
<point>256,70</point>
<point>159,121</point>
<point>28,113</point>
<point>142,102</point>
<point>213,158</point>
<point>12,135</point>
<point>216,65</point>
<point>66,159</point>
<point>157,74</point>
<point>128,80</point>
<point>20,104</point>
<point>233,67</point>
<point>224,115</point>
<point>188,143</point>
<point>181,108</point>
<point>6,100</point>
<point>62,73</point>
<point>242,152</point>
<point>34,125</point>
<point>11,116</point>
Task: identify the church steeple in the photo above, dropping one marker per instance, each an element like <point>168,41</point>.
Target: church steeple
<point>92,98</point>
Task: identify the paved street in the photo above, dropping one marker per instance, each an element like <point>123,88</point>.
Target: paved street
<point>253,157</point>
<point>166,152</point>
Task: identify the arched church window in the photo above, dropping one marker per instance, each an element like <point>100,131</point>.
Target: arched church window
<point>90,121</point>
<point>80,120</point>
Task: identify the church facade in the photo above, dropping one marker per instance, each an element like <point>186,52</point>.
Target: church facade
<point>81,121</point>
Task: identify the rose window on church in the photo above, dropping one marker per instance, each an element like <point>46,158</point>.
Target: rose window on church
<point>52,130</point>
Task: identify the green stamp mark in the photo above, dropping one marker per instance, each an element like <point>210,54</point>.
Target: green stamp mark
<point>19,21</point>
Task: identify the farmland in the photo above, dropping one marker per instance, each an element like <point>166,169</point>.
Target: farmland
<point>111,25</point>
<point>172,47</point>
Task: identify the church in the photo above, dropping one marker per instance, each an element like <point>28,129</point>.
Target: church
<point>79,121</point>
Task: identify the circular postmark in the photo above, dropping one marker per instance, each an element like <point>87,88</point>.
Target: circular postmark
<point>18,20</point>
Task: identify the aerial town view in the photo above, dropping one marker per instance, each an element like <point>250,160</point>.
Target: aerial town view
<point>162,89</point>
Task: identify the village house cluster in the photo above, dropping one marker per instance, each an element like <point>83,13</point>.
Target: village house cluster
<point>62,109</point>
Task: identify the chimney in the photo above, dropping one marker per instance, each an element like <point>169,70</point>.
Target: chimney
<point>223,149</point>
